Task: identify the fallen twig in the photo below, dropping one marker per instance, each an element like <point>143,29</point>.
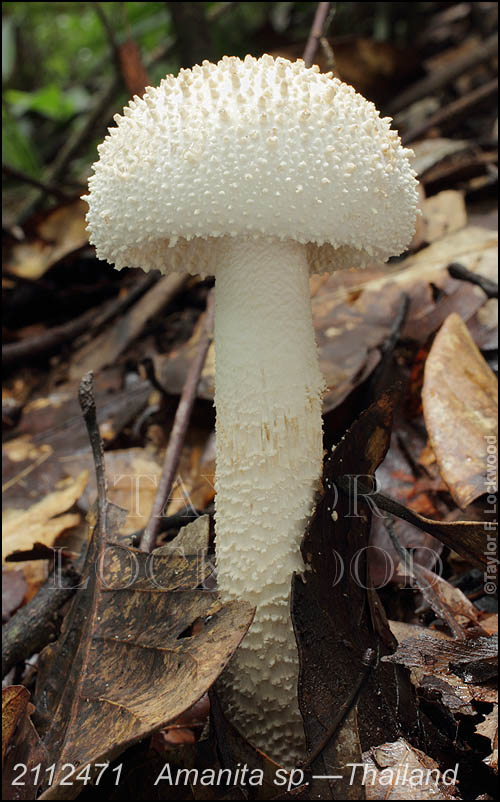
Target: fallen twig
<point>459,108</point>
<point>50,340</point>
<point>109,344</point>
<point>438,79</point>
<point>179,429</point>
<point>149,370</point>
<point>18,175</point>
<point>115,49</point>
<point>182,518</point>
<point>467,538</point>
<point>367,663</point>
<point>87,404</point>
<point>383,377</point>
<point>317,31</point>
<point>490,288</point>
<point>36,624</point>
<point>192,34</point>
<point>75,141</point>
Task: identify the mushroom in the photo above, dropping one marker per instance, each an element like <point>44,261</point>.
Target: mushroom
<point>257,171</point>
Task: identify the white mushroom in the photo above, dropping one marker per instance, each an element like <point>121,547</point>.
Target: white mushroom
<point>259,172</point>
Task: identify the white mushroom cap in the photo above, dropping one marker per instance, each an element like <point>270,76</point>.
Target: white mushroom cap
<point>259,148</point>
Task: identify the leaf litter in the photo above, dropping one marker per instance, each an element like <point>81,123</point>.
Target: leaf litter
<point>127,669</point>
<point>393,322</point>
<point>353,734</point>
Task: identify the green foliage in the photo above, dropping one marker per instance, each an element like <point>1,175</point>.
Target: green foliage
<point>17,150</point>
<point>50,101</point>
<point>58,57</point>
<point>55,43</point>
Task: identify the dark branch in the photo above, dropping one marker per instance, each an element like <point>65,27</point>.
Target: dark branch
<point>317,31</point>
<point>367,663</point>
<point>490,288</point>
<point>454,111</point>
<point>38,622</point>
<point>50,340</point>
<point>179,429</point>
<point>438,79</point>
<point>18,175</point>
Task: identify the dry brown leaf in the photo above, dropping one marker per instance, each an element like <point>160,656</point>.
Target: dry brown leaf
<point>61,232</point>
<point>133,476</point>
<point>402,630</point>
<point>44,521</point>
<point>21,747</point>
<point>420,235</point>
<point>467,693</point>
<point>202,491</point>
<point>471,246</point>
<point>461,609</point>
<point>350,334</point>
<point>54,436</point>
<point>490,623</point>
<point>22,448</point>
<point>430,658</point>
<point>14,702</point>
<point>340,626</point>
<point>194,483</point>
<point>172,370</point>
<point>489,729</point>
<point>430,152</point>
<point>460,400</point>
<point>493,760</point>
<point>399,771</point>
<point>444,213</point>
<point>488,318</point>
<point>129,655</point>
<point>234,750</point>
<point>472,656</point>
<point>474,247</point>
<point>14,589</point>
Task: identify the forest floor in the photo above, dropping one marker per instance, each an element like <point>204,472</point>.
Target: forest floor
<point>409,352</point>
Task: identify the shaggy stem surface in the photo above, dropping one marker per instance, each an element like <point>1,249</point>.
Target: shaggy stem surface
<point>269,456</point>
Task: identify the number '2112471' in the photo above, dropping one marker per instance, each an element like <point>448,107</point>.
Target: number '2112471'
<point>91,773</point>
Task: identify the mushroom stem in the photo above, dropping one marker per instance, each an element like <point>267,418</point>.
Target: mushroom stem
<point>269,456</point>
